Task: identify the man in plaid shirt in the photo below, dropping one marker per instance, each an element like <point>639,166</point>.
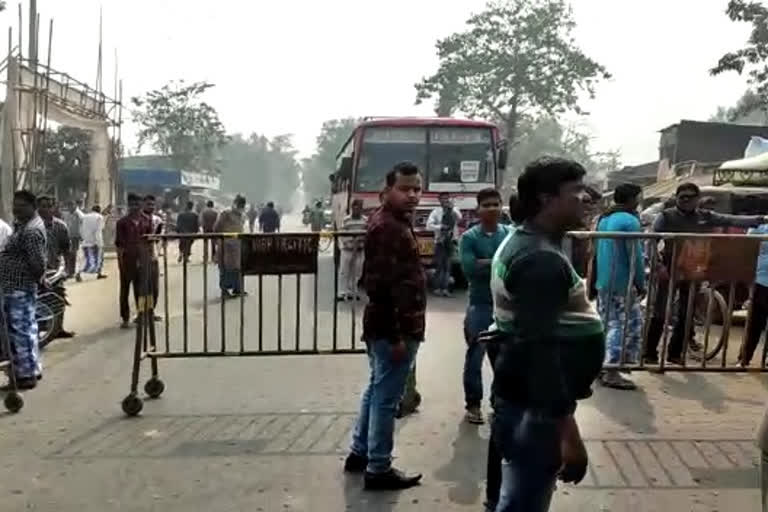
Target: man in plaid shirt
<point>22,266</point>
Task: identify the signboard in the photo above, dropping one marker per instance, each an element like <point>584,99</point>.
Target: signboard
<point>279,254</point>
<point>719,260</point>
<point>470,171</point>
<point>199,180</point>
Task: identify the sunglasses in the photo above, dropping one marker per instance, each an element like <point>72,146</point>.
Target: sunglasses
<point>687,197</point>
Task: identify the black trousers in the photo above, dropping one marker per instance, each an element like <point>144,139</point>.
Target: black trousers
<point>70,259</point>
<point>129,278</point>
<point>656,326</point>
<point>493,468</point>
<point>758,317</point>
<point>155,281</point>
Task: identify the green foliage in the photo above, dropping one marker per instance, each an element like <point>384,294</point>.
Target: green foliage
<point>175,121</point>
<point>322,163</point>
<point>516,59</point>
<point>546,136</point>
<point>260,169</point>
<point>748,110</point>
<point>67,161</point>
<point>754,56</point>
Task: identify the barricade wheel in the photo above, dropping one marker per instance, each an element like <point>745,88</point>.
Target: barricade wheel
<point>154,387</point>
<point>132,405</point>
<point>13,402</point>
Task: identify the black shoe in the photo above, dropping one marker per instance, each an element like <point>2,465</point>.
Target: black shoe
<point>355,463</point>
<point>675,360</point>
<point>65,334</point>
<point>651,359</point>
<point>392,480</point>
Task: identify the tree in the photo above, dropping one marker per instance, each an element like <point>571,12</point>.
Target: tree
<point>752,58</point>
<point>547,136</point>
<point>67,160</point>
<point>260,168</point>
<point>516,60</point>
<point>316,169</point>
<point>748,110</point>
<point>176,122</point>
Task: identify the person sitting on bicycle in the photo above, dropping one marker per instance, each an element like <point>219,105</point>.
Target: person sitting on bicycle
<point>685,217</point>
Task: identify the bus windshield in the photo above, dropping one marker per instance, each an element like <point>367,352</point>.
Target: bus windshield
<point>382,148</point>
<point>460,155</point>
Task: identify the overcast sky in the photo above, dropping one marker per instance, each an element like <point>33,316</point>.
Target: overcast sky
<point>285,66</point>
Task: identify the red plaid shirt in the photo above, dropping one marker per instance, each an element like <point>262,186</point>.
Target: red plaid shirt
<point>394,280</point>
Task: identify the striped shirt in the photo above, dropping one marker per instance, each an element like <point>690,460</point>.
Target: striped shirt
<point>350,243</point>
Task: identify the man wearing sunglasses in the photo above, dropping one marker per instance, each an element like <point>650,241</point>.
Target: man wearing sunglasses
<point>685,217</point>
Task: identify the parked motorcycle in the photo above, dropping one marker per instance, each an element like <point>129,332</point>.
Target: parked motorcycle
<point>51,302</point>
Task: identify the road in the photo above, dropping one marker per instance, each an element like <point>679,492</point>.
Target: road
<point>270,433</point>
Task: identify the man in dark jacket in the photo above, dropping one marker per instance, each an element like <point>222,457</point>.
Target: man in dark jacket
<point>269,219</point>
<point>187,223</point>
<point>685,217</point>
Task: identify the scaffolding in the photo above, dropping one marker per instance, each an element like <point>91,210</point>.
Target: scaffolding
<point>37,94</point>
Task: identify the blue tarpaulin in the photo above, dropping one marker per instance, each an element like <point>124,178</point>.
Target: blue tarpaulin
<point>169,178</point>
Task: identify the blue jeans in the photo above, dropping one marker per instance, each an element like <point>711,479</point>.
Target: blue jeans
<point>478,318</point>
<point>443,253</point>
<point>375,429</point>
<point>19,309</point>
<point>229,279</point>
<point>530,447</point>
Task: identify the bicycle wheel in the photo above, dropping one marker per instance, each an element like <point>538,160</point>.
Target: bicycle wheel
<point>717,333</point>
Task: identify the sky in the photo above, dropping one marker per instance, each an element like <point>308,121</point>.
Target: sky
<point>285,66</point>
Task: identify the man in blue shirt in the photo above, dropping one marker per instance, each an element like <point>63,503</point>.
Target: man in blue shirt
<point>476,249</point>
<point>618,260</point>
<point>758,314</point>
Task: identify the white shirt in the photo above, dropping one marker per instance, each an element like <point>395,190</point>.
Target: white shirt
<point>435,221</point>
<point>5,232</point>
<point>92,229</point>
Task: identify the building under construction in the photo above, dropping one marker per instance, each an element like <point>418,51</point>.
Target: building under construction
<point>36,94</point>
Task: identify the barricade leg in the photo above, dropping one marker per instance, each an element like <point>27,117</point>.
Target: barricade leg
<point>133,404</point>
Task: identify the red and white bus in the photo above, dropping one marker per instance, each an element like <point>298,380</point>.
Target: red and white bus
<point>457,156</point>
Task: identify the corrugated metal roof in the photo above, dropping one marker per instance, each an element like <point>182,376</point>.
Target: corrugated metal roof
<point>667,188</point>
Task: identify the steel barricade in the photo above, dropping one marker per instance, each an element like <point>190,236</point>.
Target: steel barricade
<point>280,319</point>
<point>687,316</point>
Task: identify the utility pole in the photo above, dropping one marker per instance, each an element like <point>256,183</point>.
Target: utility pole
<point>33,34</point>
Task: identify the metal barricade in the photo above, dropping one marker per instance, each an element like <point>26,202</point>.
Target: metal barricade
<point>689,304</point>
<point>277,316</point>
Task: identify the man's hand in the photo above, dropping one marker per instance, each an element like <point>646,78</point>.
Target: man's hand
<point>573,453</point>
<point>398,351</point>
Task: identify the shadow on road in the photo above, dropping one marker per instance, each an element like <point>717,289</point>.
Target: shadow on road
<point>466,469</point>
<point>640,418</point>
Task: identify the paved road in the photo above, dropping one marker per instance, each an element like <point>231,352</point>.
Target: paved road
<point>270,433</point>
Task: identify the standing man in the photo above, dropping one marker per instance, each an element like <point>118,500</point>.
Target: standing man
<point>393,327</point>
<point>444,221</point>
<point>230,221</point>
<point>22,266</point>
<point>187,223</point>
<point>71,218</point>
<point>269,219</point>
<point>317,217</point>
<point>92,230</point>
<point>132,252</point>
<point>616,260</point>
<point>758,305</point>
<point>352,255</point>
<point>56,233</point>
<point>148,208</point>
<point>253,214</point>
<point>684,217</point>
<point>208,219</point>
<point>57,243</point>
<point>551,341</point>
<point>476,249</point>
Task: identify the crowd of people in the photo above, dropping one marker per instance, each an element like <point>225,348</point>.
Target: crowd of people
<point>547,330</point>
